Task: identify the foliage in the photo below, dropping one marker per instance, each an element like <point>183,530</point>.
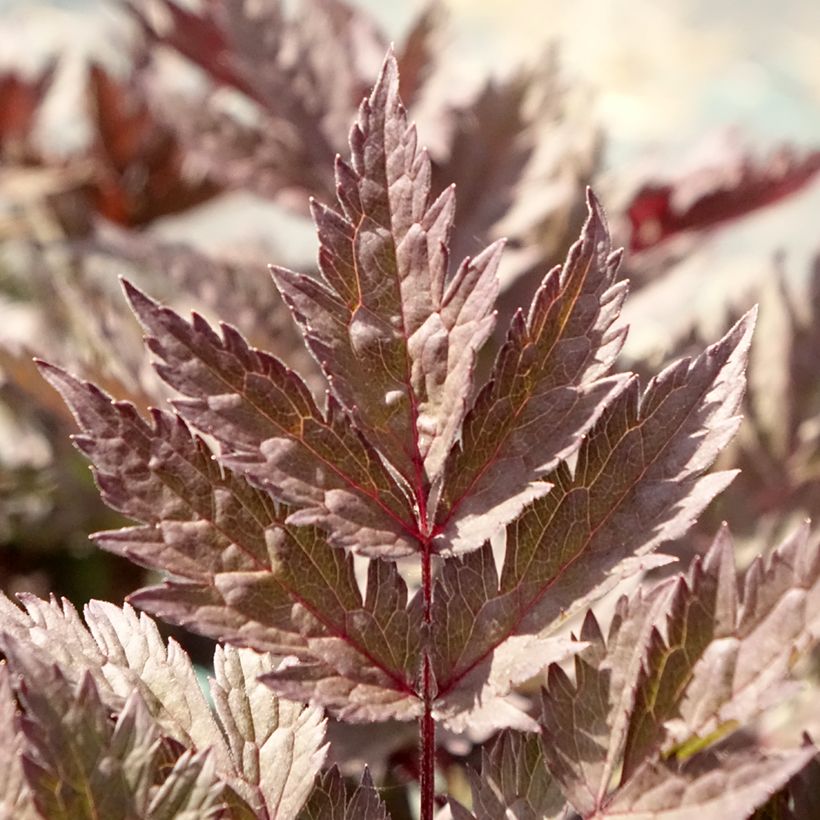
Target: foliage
<point>365,523</point>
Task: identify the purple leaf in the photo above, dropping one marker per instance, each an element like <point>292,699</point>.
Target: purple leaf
<point>514,782</point>
<point>243,573</point>
<point>305,72</point>
<point>677,675</point>
<point>332,800</point>
<point>271,430</point>
<point>548,387</point>
<point>585,722</point>
<point>710,787</point>
<point>712,196</point>
<point>396,339</point>
<point>721,663</point>
<point>638,481</point>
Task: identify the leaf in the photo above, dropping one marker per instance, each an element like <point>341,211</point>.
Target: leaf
<point>711,196</point>
<point>735,675</point>
<point>305,72</point>
<point>552,367</point>
<point>139,169</point>
<point>243,573</point>
<point>585,723</point>
<point>699,614</point>
<point>122,653</point>
<point>460,604</point>
<point>15,800</point>
<point>137,658</point>
<point>190,792</point>
<point>331,800</point>
<point>21,100</point>
<point>79,763</point>
<point>644,697</point>
<point>498,132</point>
<point>72,773</point>
<point>710,787</point>
<point>772,385</point>
<point>417,55</point>
<point>804,790</point>
<point>277,746</point>
<point>265,762</point>
<point>271,429</point>
<point>396,340</point>
<point>236,288</point>
<point>514,782</point>
<point>637,482</point>
<point>370,672</point>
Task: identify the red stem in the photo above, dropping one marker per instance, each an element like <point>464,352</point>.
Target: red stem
<point>427,764</point>
<point>427,752</point>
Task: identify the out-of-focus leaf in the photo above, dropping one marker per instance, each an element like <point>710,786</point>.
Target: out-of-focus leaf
<point>709,197</point>
<point>489,133</point>
<point>139,172</point>
<point>550,377</point>
<point>306,72</point>
<point>236,289</point>
<point>396,337</point>
<point>417,54</point>
<point>332,800</point>
<point>20,102</point>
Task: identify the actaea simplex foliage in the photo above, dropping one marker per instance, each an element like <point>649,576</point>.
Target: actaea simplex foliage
<point>520,502</point>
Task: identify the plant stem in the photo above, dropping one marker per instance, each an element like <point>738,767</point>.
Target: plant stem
<point>427,764</point>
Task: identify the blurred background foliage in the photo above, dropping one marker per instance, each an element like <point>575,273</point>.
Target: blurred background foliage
<point>178,143</point>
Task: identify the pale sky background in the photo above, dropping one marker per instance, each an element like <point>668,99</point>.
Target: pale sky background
<point>664,78</point>
<point>663,73</point>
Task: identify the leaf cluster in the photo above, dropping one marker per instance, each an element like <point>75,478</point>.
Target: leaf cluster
<point>371,517</point>
<point>520,503</point>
